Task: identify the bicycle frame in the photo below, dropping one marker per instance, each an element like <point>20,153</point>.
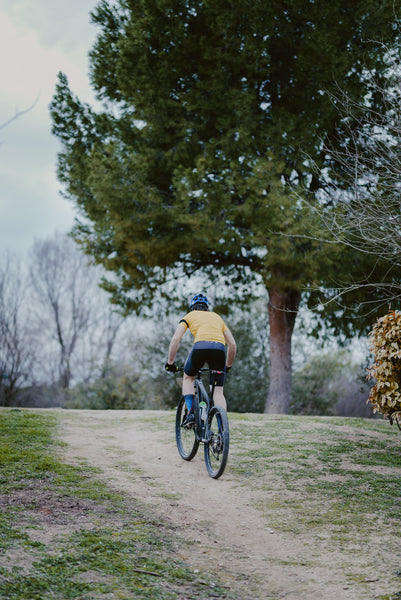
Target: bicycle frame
<point>201,394</point>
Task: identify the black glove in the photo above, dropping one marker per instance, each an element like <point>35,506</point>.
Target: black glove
<point>171,368</point>
<point>228,369</point>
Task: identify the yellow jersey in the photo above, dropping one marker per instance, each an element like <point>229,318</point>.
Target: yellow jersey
<point>205,326</point>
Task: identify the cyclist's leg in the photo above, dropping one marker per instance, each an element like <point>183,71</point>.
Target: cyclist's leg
<point>188,385</point>
<point>217,362</point>
<point>189,396</point>
<point>218,397</point>
<point>191,367</point>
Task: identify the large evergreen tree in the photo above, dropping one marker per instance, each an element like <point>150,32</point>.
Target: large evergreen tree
<point>215,117</point>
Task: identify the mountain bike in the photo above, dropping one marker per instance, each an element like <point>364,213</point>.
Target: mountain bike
<point>210,428</point>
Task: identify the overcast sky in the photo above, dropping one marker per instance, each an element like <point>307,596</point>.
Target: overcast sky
<point>37,40</point>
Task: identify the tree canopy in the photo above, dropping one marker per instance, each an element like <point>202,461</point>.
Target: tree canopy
<point>215,120</point>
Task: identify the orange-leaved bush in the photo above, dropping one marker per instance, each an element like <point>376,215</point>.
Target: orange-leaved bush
<point>385,343</point>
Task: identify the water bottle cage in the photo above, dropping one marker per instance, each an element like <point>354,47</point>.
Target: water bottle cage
<point>203,412</point>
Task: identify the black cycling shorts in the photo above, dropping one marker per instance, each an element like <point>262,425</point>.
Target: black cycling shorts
<point>212,353</point>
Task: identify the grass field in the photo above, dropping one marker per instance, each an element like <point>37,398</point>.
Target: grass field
<point>331,478</point>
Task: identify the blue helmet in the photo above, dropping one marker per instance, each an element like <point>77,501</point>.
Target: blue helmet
<point>199,299</point>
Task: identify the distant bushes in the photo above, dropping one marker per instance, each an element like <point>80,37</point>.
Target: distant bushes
<point>327,384</point>
<point>331,384</point>
<point>115,390</point>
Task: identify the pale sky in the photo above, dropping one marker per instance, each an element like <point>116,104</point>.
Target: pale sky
<point>37,40</point>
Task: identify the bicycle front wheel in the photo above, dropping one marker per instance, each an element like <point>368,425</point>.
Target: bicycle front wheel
<point>187,442</point>
<point>217,446</point>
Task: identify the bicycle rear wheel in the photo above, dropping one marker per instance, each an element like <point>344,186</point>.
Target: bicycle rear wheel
<point>216,449</point>
<point>187,443</point>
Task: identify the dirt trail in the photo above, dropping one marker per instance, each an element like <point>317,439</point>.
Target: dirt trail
<point>220,518</point>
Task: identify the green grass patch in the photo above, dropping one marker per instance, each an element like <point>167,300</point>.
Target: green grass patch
<point>65,535</point>
<point>323,472</point>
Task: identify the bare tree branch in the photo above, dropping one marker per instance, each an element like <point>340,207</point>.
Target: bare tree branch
<point>17,354</point>
<point>19,113</point>
<point>368,194</point>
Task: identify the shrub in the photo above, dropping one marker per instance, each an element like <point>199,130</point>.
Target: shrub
<point>115,390</point>
<point>385,344</point>
<point>330,383</point>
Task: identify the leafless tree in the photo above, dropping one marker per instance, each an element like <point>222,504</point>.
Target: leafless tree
<point>63,285</point>
<point>102,341</point>
<point>17,355</point>
<point>75,322</point>
<point>361,205</point>
<point>369,215</point>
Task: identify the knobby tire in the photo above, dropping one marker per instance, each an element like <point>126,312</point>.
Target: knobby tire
<point>187,442</point>
<point>216,449</point>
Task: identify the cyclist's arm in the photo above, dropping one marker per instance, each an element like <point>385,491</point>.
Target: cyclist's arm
<point>231,347</point>
<point>175,342</point>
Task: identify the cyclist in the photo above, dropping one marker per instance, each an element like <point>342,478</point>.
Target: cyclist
<point>211,337</point>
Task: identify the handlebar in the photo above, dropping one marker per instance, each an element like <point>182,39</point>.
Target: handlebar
<point>203,370</point>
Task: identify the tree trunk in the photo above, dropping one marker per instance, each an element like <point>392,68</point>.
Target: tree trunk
<point>283,308</point>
